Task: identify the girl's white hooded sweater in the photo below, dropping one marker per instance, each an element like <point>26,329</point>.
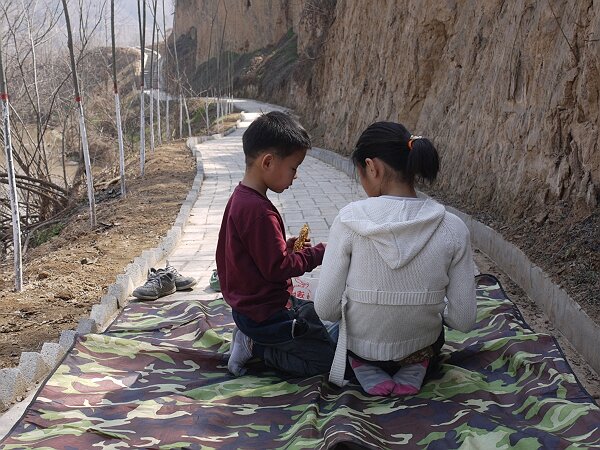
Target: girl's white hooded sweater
<point>389,265</point>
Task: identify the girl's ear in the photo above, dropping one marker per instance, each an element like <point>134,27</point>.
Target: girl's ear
<point>369,165</point>
<point>373,167</point>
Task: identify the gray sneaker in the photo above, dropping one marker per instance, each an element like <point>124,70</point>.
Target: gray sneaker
<point>181,282</point>
<point>157,285</point>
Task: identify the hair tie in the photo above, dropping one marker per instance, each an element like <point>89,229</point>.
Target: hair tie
<point>410,141</point>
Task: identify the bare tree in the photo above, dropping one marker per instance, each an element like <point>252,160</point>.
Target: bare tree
<point>219,54</point>
<point>168,125</point>
<point>82,129</point>
<point>179,87</point>
<point>142,27</point>
<point>12,188</point>
<point>153,11</point>
<point>117,101</point>
<point>26,43</point>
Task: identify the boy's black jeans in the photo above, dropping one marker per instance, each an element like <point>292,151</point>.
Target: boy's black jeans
<point>294,341</point>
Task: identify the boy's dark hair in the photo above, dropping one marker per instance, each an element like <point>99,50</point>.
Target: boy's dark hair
<point>277,131</point>
<point>410,156</point>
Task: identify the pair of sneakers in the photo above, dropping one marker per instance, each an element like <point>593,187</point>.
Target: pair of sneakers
<point>161,282</point>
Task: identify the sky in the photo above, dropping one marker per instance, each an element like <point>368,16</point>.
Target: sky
<point>128,27</point>
<point>96,17</point>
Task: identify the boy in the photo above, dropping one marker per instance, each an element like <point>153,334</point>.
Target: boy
<point>255,263</point>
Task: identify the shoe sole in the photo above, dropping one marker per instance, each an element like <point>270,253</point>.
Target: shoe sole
<point>168,293</point>
<point>153,297</point>
<point>145,297</point>
<point>186,286</point>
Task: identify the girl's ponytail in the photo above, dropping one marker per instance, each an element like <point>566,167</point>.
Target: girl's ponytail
<point>423,160</point>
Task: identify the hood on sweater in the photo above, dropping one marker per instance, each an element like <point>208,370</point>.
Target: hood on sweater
<point>399,228</point>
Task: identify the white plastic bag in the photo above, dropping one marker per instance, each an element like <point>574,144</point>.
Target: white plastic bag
<point>304,287</point>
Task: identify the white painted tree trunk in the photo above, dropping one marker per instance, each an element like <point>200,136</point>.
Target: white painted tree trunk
<point>88,164</point>
<point>121,148</point>
<point>158,129</point>
<point>117,101</point>
<point>82,130</point>
<point>142,132</point>
<point>206,105</point>
<point>167,118</point>
<point>180,116</point>
<point>151,118</point>
<point>187,117</point>
<point>12,189</point>
<point>218,113</point>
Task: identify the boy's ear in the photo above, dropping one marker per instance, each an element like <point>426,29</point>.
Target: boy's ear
<point>266,160</point>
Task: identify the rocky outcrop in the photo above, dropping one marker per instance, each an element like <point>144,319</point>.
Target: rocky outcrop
<point>204,28</point>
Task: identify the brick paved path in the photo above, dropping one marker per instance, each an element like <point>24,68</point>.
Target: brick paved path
<point>314,198</point>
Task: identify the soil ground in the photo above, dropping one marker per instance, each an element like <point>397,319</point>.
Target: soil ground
<point>564,240</point>
<point>68,274</point>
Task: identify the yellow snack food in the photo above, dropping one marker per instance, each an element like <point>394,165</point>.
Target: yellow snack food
<point>302,237</point>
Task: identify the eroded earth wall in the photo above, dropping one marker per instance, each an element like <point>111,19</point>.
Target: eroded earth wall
<point>508,91</point>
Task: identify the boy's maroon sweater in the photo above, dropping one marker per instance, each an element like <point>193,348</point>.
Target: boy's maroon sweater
<point>253,261</point>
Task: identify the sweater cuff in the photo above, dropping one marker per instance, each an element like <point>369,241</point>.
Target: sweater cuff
<point>318,252</point>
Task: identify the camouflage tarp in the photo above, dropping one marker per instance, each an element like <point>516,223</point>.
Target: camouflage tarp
<point>157,379</point>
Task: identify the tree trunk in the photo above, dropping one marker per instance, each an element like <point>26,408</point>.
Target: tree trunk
<point>180,115</point>
<point>12,188</point>
<point>159,63</point>
<point>142,27</point>
<point>166,65</point>
<point>187,117</point>
<point>152,81</point>
<point>117,101</point>
<point>206,105</point>
<point>82,129</point>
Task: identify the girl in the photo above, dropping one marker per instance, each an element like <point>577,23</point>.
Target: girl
<point>390,263</point>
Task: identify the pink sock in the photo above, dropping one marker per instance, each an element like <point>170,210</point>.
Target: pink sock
<point>409,378</point>
<point>372,379</point>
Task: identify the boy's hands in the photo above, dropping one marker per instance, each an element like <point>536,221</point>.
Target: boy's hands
<point>291,241</point>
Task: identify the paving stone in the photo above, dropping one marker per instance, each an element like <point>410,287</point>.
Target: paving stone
<point>52,353</point>
<point>67,339</point>
<point>143,264</point>
<point>119,291</point>
<point>33,367</point>
<point>12,385</point>
<point>126,282</point>
<point>86,326</point>
<point>150,257</point>
<point>100,315</point>
<point>136,273</point>
<point>111,303</point>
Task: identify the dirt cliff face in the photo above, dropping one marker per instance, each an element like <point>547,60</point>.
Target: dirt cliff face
<point>507,90</point>
<point>241,26</point>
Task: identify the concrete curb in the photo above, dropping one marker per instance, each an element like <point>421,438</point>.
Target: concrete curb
<point>33,366</point>
<point>566,314</point>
